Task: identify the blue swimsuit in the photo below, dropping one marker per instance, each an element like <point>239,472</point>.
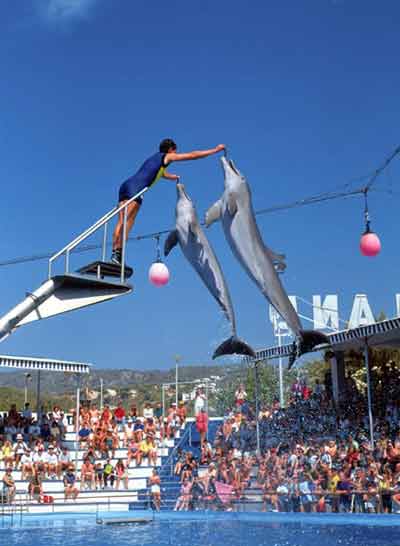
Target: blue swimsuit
<point>148,174</point>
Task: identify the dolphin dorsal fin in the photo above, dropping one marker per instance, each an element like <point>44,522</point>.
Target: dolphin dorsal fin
<point>214,213</point>
<point>170,242</point>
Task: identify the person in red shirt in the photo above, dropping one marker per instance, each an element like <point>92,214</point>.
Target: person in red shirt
<point>119,414</point>
<point>202,425</point>
<point>106,415</point>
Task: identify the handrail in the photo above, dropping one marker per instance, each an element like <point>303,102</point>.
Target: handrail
<point>175,448</point>
<point>93,228</point>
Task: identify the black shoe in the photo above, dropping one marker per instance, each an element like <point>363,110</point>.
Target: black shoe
<point>116,257</point>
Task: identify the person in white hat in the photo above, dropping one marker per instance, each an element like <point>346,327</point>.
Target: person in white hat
<point>26,464</point>
<point>19,449</point>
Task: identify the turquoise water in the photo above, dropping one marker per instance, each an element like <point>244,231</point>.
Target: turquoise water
<point>221,530</point>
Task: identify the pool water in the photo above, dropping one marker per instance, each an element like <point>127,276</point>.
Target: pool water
<point>225,530</point>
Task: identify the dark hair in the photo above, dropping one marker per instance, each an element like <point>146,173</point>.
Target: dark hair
<point>167,144</point>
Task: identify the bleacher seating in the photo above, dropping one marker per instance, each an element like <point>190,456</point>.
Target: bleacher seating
<point>91,500</point>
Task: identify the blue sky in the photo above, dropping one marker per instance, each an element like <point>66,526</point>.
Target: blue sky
<point>305,94</point>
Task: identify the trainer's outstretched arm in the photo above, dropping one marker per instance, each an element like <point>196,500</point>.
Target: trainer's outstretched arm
<point>173,156</point>
<point>170,176</point>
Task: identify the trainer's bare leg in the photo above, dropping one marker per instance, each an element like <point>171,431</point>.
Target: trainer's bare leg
<point>132,211</point>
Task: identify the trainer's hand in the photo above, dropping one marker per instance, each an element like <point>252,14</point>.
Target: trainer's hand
<point>219,148</point>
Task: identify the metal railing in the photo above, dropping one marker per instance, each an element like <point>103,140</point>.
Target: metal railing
<point>103,221</point>
<point>170,460</point>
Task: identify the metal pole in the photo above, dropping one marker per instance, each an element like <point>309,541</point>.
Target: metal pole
<point>103,254</point>
<point>177,359</point>
<point>38,415</point>
<point>27,376</point>
<point>163,401</point>
<point>67,262</point>
<point>256,379</point>
<point>123,244</point>
<point>281,394</point>
<point>101,394</point>
<point>207,407</point>
<point>77,410</point>
<point>371,418</point>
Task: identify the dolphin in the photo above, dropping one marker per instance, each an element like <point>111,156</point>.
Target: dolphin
<point>199,253</point>
<point>235,210</point>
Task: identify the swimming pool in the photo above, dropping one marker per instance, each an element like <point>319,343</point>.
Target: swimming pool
<point>206,529</point>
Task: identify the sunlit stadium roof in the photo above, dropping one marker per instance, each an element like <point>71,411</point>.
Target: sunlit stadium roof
<point>380,334</point>
<point>43,364</point>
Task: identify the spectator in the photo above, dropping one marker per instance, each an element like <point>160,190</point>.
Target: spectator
<point>147,449</point>
<point>7,454</point>
<point>240,395</point>
<point>184,498</point>
<point>148,412</point>
<point>122,474</point>
<point>108,474</point>
<point>35,487</point>
<point>129,432</point>
<point>9,489</point>
<point>70,489</point>
<point>119,415</point>
<point>202,425</point>
<point>26,464</point>
<point>199,401</point>
<point>52,463</point>
<point>19,449</point>
<point>40,458</point>
<point>155,489</point>
<point>87,474</point>
<point>27,412</point>
<point>181,412</point>
<point>64,461</point>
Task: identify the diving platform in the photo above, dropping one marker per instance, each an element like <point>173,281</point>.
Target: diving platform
<point>105,269</point>
<point>59,295</point>
<point>94,283</point>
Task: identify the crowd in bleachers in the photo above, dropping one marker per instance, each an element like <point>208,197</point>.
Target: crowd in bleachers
<point>36,447</point>
<point>312,456</point>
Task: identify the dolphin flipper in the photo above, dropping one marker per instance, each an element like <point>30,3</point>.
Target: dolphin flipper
<point>170,242</point>
<point>233,345</point>
<point>214,213</point>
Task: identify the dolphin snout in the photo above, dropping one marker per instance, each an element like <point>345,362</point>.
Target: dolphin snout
<point>229,166</point>
<point>180,190</point>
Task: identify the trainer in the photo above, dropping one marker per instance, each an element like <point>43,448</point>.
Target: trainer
<point>149,173</point>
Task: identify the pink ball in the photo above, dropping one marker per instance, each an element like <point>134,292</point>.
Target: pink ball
<point>370,244</point>
<point>158,274</point>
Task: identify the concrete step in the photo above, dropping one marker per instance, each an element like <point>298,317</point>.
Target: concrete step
<point>71,437</point>
<point>120,452</point>
<point>133,465</point>
<point>50,486</point>
<point>81,507</point>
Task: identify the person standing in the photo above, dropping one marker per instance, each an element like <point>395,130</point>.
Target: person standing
<point>202,425</point>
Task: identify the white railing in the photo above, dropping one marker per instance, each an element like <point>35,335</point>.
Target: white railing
<point>103,221</point>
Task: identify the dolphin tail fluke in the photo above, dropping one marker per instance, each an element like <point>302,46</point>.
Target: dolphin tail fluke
<point>308,340</point>
<point>233,346</point>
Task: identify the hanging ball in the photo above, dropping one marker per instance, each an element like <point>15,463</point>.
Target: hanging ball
<point>158,274</point>
<point>370,244</point>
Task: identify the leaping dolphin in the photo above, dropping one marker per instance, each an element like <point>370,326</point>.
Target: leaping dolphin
<point>235,209</point>
<point>199,253</point>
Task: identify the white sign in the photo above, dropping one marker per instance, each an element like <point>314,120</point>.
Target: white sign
<point>279,325</point>
<point>325,314</point>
